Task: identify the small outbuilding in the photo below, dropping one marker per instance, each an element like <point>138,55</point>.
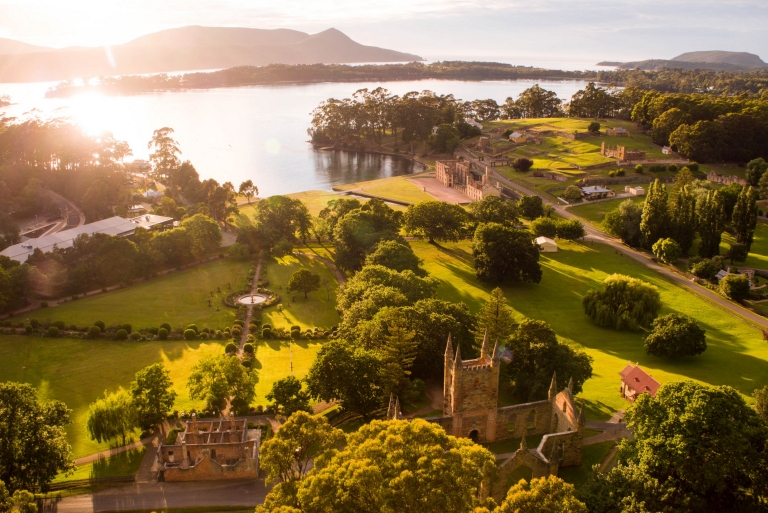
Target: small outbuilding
<point>666,150</point>
<point>152,194</point>
<point>518,138</point>
<point>596,192</point>
<point>617,132</point>
<point>546,244</point>
<point>635,381</point>
<point>635,190</point>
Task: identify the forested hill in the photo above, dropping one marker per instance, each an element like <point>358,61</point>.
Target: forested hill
<point>715,60</point>
<point>189,48</point>
<point>667,80</point>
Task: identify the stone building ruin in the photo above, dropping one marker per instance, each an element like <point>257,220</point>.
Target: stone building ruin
<point>212,450</point>
<point>470,409</point>
<point>621,153</point>
<point>457,174</point>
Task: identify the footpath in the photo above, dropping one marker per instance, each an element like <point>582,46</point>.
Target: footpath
<point>249,314</point>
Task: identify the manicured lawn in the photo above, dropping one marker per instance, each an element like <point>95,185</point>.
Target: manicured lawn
<point>317,200</point>
<point>595,212</point>
<point>396,188</point>
<point>590,455</point>
<point>319,309</point>
<point>79,371</point>
<point>273,362</point>
<point>123,464</point>
<point>758,254</point>
<point>179,298</point>
<point>736,354</point>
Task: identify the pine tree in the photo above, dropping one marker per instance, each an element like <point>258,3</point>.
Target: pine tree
<point>654,223</point>
<point>397,356</point>
<point>744,217</point>
<point>497,318</point>
<point>684,217</point>
<point>711,223</point>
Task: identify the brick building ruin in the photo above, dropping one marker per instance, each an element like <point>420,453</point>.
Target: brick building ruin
<point>457,174</point>
<point>621,153</point>
<point>470,409</point>
<point>212,450</point>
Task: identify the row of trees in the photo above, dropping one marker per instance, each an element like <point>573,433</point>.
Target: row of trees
<point>689,208</point>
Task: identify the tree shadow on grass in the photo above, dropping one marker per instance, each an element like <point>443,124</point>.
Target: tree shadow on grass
<point>123,464</point>
<point>457,253</point>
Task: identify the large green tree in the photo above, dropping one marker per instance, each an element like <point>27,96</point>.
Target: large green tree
<point>304,280</point>
<point>674,336</point>
<point>396,255</point>
<point>536,102</point>
<point>281,217</point>
<point>359,230</point>
<point>683,217</point>
<point>34,446</point>
<point>696,448</point>
<point>624,222</point>
<point>493,209</point>
<point>756,168</point>
<point>505,255</point>
<point>399,466</point>
<point>351,376</point>
<point>218,379</point>
<point>435,220</point>
<point>543,495</point>
<point>496,319</point>
<point>624,303</point>
<point>406,282</point>
<point>288,397</point>
<point>667,250</point>
<point>711,223</point>
<point>166,151</point>
<point>538,355</point>
<point>655,222</point>
<point>111,417</point>
<point>744,219</point>
<point>152,396</point>
<point>530,207</point>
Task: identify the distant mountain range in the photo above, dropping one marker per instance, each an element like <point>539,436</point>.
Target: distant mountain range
<point>186,49</point>
<point>715,60</point>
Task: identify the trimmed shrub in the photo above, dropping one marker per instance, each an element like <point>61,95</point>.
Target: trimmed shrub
<point>266,333</point>
<point>29,329</point>
<point>238,322</point>
<point>121,334</point>
<point>192,327</point>
<point>127,327</point>
<point>296,334</point>
<point>34,322</point>
<point>165,326</point>
<point>639,169</point>
<point>135,336</point>
<point>59,324</point>
<point>94,332</point>
<point>231,348</point>
<point>44,304</point>
<point>152,330</point>
<point>295,327</point>
<point>203,336</point>
<point>53,331</point>
<point>162,334</point>
<point>250,338</point>
<point>266,326</point>
<point>190,334</point>
<point>735,286</point>
<point>248,348</point>
<point>620,172</point>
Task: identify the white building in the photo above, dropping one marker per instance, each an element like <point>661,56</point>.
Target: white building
<point>546,244</point>
<point>634,190</point>
<point>152,194</point>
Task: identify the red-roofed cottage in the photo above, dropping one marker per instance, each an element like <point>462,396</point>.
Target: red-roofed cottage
<point>635,381</point>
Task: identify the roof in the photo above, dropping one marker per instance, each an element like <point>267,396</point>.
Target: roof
<point>722,273</point>
<point>152,194</point>
<point>516,135</point>
<point>666,148</point>
<point>542,240</point>
<point>593,189</point>
<point>638,380</point>
<point>620,130</point>
<point>64,239</point>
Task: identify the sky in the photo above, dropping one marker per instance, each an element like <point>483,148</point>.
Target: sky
<point>525,32</point>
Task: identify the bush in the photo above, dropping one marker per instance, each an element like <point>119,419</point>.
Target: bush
<point>238,322</point>
<point>53,331</point>
<point>192,327</point>
<point>570,229</point>
<point>639,169</point>
<point>121,334</point>
<point>295,334</point>
<point>59,324</point>
<point>672,168</point>
<point>190,334</point>
<point>203,336</point>
<point>522,164</point>
<point>29,329</point>
<point>593,127</point>
<point>94,332</point>
<point>252,328</point>
<point>611,173</point>
<point>231,348</point>
<point>135,336</point>
<point>152,330</point>
<point>624,303</point>
<point>572,193</point>
<point>101,325</point>
<point>165,326</point>
<point>281,249</point>
<point>250,338</point>
<point>44,304</point>
<point>248,348</point>
<point>162,334</point>
<point>735,286</point>
<point>675,336</point>
<point>667,250</point>
<point>707,268</point>
<point>693,167</point>
<point>266,333</point>
<point>620,172</point>
<point>266,326</point>
<point>295,327</point>
<point>126,327</point>
<point>544,227</point>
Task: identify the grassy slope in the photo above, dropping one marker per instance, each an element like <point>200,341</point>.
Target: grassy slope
<point>273,362</point>
<point>595,212</point>
<point>78,371</point>
<point>123,464</point>
<point>736,354</point>
<point>590,455</point>
<point>396,188</point>
<point>179,298</point>
<point>319,309</point>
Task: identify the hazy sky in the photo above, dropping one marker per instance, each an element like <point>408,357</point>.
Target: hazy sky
<point>523,31</point>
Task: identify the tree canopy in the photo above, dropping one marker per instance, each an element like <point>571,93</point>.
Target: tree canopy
<point>216,379</point>
<point>546,494</point>
<point>624,303</point>
<point>624,223</point>
<point>304,280</point>
<point>674,336</point>
<point>435,220</point>
<point>111,417</point>
<point>288,397</point>
<point>152,396</point>
<point>505,255</point>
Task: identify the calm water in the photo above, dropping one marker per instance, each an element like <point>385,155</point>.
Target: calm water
<point>257,133</point>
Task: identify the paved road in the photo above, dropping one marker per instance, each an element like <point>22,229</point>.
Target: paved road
<point>596,235</point>
<point>153,497</point>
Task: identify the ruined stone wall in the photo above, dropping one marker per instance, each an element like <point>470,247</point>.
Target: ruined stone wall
<point>568,444</point>
<point>515,421</point>
<point>504,478</point>
<point>478,387</point>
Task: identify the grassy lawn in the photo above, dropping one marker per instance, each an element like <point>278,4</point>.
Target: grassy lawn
<point>319,309</point>
<point>317,200</point>
<point>595,212</point>
<point>273,362</point>
<point>758,254</point>
<point>179,298</point>
<point>123,464</point>
<point>78,371</point>
<point>590,455</point>
<point>736,354</point>
<point>513,444</point>
<point>397,188</point>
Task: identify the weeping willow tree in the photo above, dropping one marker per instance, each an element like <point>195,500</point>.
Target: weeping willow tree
<point>624,303</point>
<point>111,417</point>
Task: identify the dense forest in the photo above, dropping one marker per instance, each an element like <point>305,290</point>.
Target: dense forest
<point>667,80</point>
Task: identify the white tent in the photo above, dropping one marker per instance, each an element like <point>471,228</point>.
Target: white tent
<point>546,244</point>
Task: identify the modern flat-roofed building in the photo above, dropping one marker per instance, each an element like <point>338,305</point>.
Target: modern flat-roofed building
<point>116,226</point>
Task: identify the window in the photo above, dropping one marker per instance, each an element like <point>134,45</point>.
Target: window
<point>564,406</point>
<point>512,423</point>
<point>532,420</point>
